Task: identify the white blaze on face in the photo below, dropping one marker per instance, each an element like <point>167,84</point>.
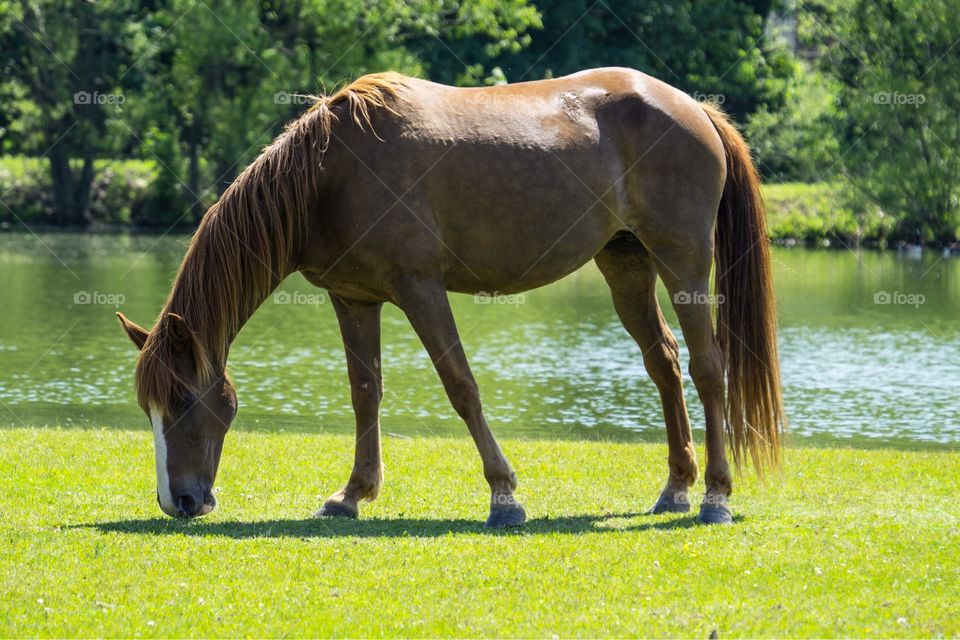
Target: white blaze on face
<point>160,452</point>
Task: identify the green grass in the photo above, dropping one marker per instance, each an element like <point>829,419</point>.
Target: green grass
<point>120,188</point>
<point>819,213</point>
<point>844,542</point>
<point>19,167</point>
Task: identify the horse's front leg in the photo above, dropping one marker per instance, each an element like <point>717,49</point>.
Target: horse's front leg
<point>360,327</point>
<point>428,310</point>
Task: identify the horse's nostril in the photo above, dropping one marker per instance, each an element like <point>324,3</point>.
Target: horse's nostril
<point>188,506</point>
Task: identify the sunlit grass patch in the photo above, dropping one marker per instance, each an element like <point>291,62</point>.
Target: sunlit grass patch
<point>843,542</point>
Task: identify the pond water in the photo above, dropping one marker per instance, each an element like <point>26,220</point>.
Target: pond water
<point>870,349</point>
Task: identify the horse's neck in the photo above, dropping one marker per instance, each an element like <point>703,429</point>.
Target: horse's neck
<point>249,241</point>
<point>221,283</point>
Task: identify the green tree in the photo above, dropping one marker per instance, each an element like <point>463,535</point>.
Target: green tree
<point>232,73</point>
<point>797,141</point>
<point>64,60</point>
<point>718,50</point>
<point>896,62</point>
<point>199,87</point>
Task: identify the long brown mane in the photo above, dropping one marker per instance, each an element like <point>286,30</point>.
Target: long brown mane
<point>247,242</point>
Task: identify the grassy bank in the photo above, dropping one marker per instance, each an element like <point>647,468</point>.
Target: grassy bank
<point>121,192</point>
<point>817,214</point>
<point>845,542</point>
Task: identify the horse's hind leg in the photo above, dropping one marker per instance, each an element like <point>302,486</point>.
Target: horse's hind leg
<point>428,309</point>
<point>631,275</point>
<point>685,270</point>
<point>360,327</point>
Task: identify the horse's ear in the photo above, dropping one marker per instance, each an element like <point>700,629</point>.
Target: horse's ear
<point>138,335</point>
<point>179,332</point>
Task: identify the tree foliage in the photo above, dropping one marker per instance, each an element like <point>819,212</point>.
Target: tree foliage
<point>718,50</point>
<point>200,87</point>
<point>899,96</point>
<point>197,88</point>
<point>797,141</point>
<point>63,75</point>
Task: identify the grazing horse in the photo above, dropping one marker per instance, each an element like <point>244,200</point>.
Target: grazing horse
<point>396,189</point>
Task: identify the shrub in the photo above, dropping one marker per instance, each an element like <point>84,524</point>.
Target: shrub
<point>120,191</point>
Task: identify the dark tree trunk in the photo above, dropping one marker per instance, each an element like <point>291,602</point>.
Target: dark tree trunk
<point>193,180</point>
<point>64,196</point>
<point>84,184</point>
<point>71,190</point>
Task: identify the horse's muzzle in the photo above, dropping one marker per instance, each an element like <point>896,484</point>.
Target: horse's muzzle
<point>189,507</point>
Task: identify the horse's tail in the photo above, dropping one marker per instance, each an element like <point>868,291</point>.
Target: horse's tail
<point>746,309</point>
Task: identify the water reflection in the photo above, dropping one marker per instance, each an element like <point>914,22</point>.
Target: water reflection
<point>869,343</point>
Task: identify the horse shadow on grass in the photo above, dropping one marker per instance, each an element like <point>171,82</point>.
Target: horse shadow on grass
<point>388,527</point>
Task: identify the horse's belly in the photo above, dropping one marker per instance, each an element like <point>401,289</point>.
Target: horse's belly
<point>515,219</point>
<point>515,244</point>
<point>463,277</point>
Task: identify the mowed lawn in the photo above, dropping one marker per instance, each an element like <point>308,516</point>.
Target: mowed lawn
<point>843,542</point>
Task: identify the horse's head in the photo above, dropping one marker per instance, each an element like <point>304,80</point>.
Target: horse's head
<point>190,404</point>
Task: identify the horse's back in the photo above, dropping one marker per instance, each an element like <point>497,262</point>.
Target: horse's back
<point>549,114</point>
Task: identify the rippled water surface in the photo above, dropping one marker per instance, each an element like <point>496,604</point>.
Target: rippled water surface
<point>870,349</point>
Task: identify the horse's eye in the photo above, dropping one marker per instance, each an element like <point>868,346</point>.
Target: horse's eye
<point>187,403</point>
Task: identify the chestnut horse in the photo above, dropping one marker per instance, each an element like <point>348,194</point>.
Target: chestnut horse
<point>399,190</point>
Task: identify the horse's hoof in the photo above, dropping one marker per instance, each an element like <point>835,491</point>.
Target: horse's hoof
<point>714,514</point>
<point>508,515</point>
<point>331,509</point>
<point>675,503</point>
